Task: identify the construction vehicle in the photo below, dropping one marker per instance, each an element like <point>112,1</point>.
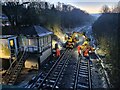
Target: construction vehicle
<point>73,38</point>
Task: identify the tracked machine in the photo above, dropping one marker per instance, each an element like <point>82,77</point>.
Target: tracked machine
<point>73,38</point>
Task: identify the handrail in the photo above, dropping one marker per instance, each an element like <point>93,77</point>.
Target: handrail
<point>23,54</point>
<point>13,63</point>
<point>21,60</point>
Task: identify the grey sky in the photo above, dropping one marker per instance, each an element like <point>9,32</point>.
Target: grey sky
<point>91,6</point>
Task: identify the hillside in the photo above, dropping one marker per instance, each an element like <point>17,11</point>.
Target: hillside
<point>106,31</point>
<point>56,18</point>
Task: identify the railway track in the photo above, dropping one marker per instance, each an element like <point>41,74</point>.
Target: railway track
<point>53,78</point>
<point>65,73</point>
<point>37,81</point>
<point>77,75</point>
<point>83,75</point>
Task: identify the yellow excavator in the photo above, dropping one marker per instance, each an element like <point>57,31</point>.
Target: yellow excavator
<point>73,38</point>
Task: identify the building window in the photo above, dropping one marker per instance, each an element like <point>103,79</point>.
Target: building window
<point>32,42</point>
<point>41,41</point>
<point>49,39</point>
<point>46,40</point>
<point>4,49</point>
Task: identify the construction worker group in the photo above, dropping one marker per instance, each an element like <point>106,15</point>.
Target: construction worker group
<point>84,49</point>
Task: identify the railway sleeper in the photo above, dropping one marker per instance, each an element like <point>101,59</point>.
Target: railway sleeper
<point>28,86</point>
<point>56,87</point>
<point>82,86</point>
<point>74,74</point>
<point>58,67</point>
<point>58,70</point>
<point>43,84</point>
<point>10,81</point>
<point>82,70</point>
<point>81,75</point>
<point>51,83</point>
<point>82,79</point>
<point>10,84</point>
<point>61,64</point>
<point>36,85</point>
<point>40,80</point>
<point>54,76</point>
<point>84,73</point>
<point>84,61</point>
<point>83,66</point>
<point>52,80</point>
<point>72,83</point>
<point>43,75</point>
<point>56,73</point>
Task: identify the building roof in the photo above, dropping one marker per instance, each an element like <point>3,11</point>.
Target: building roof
<point>27,30</point>
<point>3,16</point>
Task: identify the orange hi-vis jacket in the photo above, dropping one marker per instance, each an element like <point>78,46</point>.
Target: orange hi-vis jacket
<point>86,52</point>
<point>57,52</point>
<point>79,48</point>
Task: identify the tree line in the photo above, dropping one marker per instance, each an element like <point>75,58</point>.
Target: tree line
<point>114,9</point>
<point>44,14</point>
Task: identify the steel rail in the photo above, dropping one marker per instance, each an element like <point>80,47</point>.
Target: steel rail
<point>78,71</point>
<point>67,60</point>
<point>58,60</point>
<point>76,77</point>
<point>34,81</point>
<point>47,74</point>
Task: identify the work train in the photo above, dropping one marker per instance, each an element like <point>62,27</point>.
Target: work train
<point>73,39</point>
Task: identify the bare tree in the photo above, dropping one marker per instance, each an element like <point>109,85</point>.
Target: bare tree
<point>105,9</point>
<point>116,8</point>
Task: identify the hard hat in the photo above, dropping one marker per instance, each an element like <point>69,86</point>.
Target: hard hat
<point>85,43</point>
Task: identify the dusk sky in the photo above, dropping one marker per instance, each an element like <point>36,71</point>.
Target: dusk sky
<point>91,6</point>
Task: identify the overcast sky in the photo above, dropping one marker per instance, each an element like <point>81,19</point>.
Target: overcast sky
<point>91,6</point>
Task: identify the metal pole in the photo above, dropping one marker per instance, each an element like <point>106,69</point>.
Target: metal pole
<point>51,48</point>
<point>38,45</point>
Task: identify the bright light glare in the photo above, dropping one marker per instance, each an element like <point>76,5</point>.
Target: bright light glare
<point>81,39</point>
<point>76,35</point>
